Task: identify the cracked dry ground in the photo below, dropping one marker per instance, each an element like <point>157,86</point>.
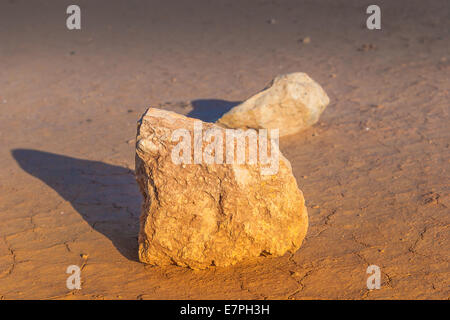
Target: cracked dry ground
<point>374,170</point>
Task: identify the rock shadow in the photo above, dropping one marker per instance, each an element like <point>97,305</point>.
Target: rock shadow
<point>210,110</point>
<point>106,196</point>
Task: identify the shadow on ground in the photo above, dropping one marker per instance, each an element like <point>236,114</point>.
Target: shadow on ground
<point>210,110</point>
<point>105,195</point>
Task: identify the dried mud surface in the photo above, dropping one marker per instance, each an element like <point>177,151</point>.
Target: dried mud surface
<point>374,171</point>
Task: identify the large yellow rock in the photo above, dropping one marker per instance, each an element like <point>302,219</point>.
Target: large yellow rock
<point>200,214</point>
<point>291,102</point>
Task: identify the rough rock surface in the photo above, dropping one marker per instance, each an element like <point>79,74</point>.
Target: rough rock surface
<point>291,102</point>
<point>200,215</point>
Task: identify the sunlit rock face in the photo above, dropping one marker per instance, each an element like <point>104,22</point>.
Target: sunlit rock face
<point>198,212</point>
<point>291,102</point>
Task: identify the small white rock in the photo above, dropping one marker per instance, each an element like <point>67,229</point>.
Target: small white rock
<point>291,103</point>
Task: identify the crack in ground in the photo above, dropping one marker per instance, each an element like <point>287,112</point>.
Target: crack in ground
<point>13,255</point>
<point>412,248</point>
<point>329,216</point>
<point>299,282</point>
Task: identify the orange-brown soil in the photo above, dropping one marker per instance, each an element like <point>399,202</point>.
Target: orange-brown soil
<point>374,171</point>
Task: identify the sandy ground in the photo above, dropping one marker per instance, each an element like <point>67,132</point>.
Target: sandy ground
<point>374,170</point>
